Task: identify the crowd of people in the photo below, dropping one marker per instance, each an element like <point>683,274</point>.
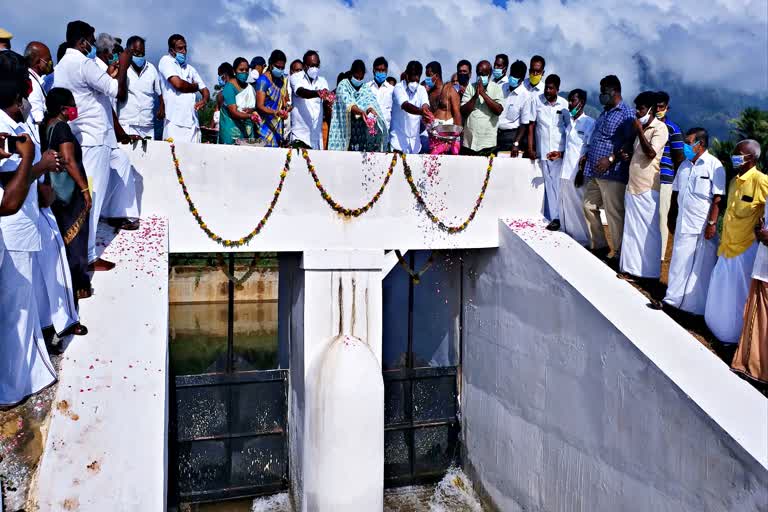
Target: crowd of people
<point>62,170</point>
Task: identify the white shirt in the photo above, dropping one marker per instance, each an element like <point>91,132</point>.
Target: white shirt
<point>696,184</point>
<point>383,94</point>
<point>143,88</point>
<point>550,124</point>
<point>307,114</point>
<point>179,106</point>
<point>515,100</point>
<point>760,271</point>
<point>19,231</point>
<point>404,132</point>
<point>37,97</point>
<point>2,245</point>
<point>93,90</point>
<point>578,132</point>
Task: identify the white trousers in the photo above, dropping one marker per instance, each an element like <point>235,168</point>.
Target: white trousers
<point>180,133</point>
<point>727,296</point>
<point>25,367</point>
<point>641,242</point>
<point>96,163</point>
<point>572,218</point>
<point>53,282</point>
<point>141,131</point>
<point>665,202</point>
<point>121,200</point>
<point>693,258</point>
<point>552,171</point>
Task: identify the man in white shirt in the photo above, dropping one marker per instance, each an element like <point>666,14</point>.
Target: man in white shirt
<point>511,134</point>
<point>136,112</point>
<point>24,365</point>
<point>500,65</point>
<point>546,128</point>
<point>94,90</point>
<point>382,89</point>
<point>410,105</point>
<point>578,132</point>
<point>180,84</point>
<point>697,192</point>
<point>38,58</point>
<point>751,358</point>
<point>307,114</point>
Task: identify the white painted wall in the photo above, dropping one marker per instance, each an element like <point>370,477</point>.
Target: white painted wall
<point>578,398</point>
<point>232,187</point>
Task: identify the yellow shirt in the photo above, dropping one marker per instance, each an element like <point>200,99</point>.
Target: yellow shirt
<point>746,204</point>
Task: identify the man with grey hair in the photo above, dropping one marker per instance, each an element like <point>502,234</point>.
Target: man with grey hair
<point>729,285</point>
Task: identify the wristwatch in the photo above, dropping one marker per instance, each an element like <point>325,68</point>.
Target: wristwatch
<point>711,222</point>
<point>611,158</point>
<point>516,144</point>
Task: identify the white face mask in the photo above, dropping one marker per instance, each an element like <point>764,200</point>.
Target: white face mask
<point>313,73</point>
<point>413,86</point>
<point>254,75</point>
<point>647,117</point>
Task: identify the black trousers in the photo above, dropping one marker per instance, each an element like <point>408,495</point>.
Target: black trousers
<point>505,139</point>
<point>482,152</point>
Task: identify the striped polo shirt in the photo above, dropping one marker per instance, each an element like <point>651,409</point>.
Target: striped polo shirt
<point>676,141</point>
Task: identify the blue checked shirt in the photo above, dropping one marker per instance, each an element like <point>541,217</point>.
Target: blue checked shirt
<point>613,131</point>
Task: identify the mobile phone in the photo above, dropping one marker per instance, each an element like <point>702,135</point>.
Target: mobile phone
<point>10,143</point>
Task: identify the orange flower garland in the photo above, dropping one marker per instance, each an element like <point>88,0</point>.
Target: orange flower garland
<point>420,199</point>
<point>356,212</point>
<point>213,236</point>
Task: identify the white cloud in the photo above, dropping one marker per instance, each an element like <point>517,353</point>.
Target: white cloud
<point>722,43</point>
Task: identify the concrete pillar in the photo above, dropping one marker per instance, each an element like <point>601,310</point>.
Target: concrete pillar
<point>332,326</point>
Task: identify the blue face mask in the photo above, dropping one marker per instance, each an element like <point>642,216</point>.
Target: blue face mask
<point>277,72</point>
<point>355,82</point>
<point>484,80</point>
<point>139,61</point>
<point>688,151</point>
<point>429,82</point>
<point>181,58</point>
<point>514,82</point>
<point>242,77</point>
<point>222,82</point>
<point>497,73</point>
<point>92,53</point>
<point>380,76</point>
<point>737,161</point>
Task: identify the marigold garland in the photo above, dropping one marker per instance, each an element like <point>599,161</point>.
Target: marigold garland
<point>348,212</point>
<point>420,199</point>
<point>213,236</point>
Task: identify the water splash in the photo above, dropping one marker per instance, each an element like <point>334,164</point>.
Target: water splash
<point>454,493</point>
<point>276,503</point>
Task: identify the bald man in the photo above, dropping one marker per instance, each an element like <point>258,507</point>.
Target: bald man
<point>729,284</point>
<point>40,64</point>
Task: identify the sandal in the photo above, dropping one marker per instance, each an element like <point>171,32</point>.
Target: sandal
<point>84,294</point>
<point>77,329</point>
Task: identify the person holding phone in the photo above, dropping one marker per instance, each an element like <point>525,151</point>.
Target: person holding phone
<point>25,367</point>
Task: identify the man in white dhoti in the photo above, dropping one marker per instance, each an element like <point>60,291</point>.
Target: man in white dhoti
<point>546,129</point>
<point>641,242</point>
<point>94,91</point>
<point>180,83</point>
<point>24,365</point>
<point>697,192</point>
<point>578,131</point>
<point>729,285</point>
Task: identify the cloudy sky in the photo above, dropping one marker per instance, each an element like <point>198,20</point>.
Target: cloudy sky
<point>701,42</point>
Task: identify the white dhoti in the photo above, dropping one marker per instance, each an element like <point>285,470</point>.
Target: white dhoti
<point>641,242</point>
<point>693,258</point>
<point>121,201</point>
<point>572,219</point>
<point>25,367</point>
<point>141,131</point>
<point>96,164</point>
<point>727,296</point>
<point>53,282</point>
<point>180,133</point>
<point>552,171</point>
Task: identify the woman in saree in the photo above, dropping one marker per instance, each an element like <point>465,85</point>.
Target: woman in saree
<point>72,203</point>
<point>272,102</point>
<point>356,122</point>
<point>238,102</point>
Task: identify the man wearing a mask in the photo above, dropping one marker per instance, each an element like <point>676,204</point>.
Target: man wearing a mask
<point>309,90</point>
<point>411,106</point>
<point>481,106</point>
<point>512,134</point>
<point>38,58</point>
<point>463,76</point>
<point>641,243</point>
<point>500,64</point>
<point>729,285</point>
<point>382,89</point>
<point>605,174</point>
<point>180,84</point>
